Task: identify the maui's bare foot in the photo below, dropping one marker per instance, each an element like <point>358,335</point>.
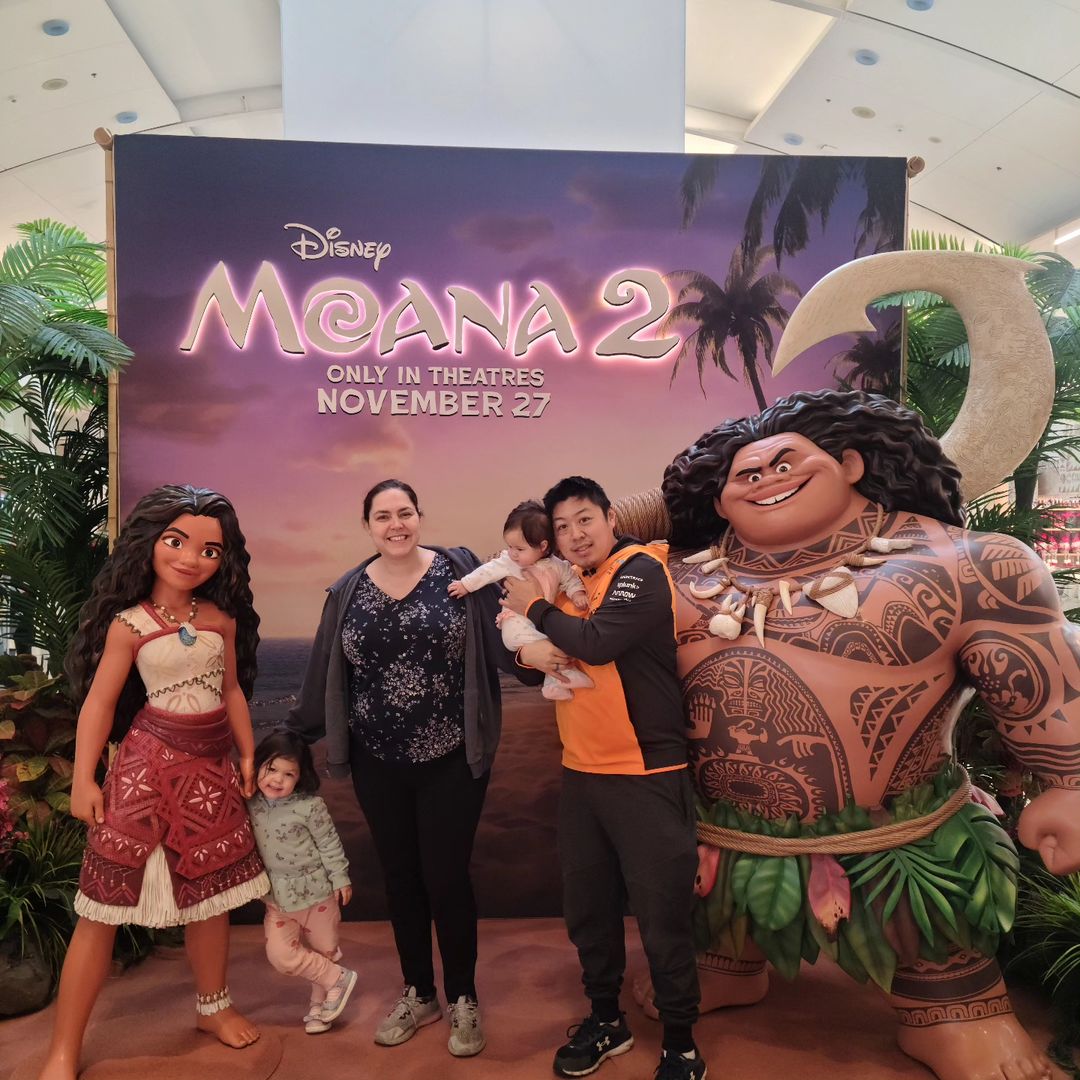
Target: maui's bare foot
<point>58,1066</point>
<point>992,1048</point>
<point>230,1027</point>
<point>719,990</point>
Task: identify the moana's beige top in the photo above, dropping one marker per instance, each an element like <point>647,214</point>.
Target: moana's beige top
<point>178,678</point>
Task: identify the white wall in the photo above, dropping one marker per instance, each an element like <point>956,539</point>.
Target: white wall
<point>569,74</point>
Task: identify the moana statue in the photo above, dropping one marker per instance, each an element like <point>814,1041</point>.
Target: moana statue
<point>833,618</point>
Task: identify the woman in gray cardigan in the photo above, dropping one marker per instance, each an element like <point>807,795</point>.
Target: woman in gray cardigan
<point>402,683</point>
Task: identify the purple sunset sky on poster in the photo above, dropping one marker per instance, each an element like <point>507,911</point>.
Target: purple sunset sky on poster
<point>246,421</point>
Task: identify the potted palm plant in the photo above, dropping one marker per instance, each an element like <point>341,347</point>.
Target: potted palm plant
<point>56,354</point>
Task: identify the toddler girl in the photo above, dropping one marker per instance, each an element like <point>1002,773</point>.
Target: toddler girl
<point>309,875</point>
<point>529,538</point>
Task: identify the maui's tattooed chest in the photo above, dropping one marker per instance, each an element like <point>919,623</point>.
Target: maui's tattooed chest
<point>776,736</point>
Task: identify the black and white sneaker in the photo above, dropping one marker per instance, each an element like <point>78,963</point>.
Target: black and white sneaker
<point>591,1043</point>
<point>676,1067</point>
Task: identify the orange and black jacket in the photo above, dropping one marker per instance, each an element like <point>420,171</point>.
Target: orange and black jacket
<point>631,721</point>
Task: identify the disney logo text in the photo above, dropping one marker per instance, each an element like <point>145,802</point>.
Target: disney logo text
<point>313,244</point>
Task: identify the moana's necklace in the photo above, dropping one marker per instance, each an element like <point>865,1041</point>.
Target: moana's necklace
<point>186,629</point>
<point>833,588</point>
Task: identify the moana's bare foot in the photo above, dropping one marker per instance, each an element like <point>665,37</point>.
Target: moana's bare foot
<point>990,1048</point>
<point>230,1027</point>
<point>724,982</point>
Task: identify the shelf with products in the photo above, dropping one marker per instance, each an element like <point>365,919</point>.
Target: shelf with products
<point>1059,544</point>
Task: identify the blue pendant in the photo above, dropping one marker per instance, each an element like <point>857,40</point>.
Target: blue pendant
<point>187,634</point>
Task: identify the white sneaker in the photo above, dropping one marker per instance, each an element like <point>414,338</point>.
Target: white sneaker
<point>406,1017</point>
<point>313,1022</point>
<point>337,997</point>
<point>466,1030</point>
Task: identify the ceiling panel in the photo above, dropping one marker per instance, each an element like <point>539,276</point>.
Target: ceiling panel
<point>39,136</point>
<point>1000,192</point>
<point>1071,81</point>
<point>1040,39</point>
<point>739,52</point>
<point>259,125</point>
<point>67,176</point>
<point>24,42</point>
<point>20,204</point>
<point>827,124</point>
<point>205,46</point>
<point>1048,126</point>
<point>911,72</point>
<point>91,74</point>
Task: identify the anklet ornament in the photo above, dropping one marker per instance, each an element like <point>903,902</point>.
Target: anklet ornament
<point>209,1004</point>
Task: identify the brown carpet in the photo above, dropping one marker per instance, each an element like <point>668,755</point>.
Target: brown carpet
<point>823,1027</point>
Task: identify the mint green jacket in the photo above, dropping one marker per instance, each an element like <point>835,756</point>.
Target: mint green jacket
<point>300,847</point>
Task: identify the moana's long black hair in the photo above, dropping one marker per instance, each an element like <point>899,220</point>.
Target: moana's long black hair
<point>128,576</point>
<point>905,466</point>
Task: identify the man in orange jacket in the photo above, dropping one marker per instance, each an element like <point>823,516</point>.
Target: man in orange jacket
<point>626,811</point>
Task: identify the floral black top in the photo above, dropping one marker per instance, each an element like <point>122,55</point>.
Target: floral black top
<point>407,668</point>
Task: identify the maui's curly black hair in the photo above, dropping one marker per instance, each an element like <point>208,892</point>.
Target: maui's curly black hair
<point>905,466</point>
<point>128,576</point>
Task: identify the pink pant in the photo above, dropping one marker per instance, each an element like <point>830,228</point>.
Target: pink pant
<point>305,942</point>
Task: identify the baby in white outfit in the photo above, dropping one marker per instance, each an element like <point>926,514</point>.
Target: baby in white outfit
<point>529,538</point>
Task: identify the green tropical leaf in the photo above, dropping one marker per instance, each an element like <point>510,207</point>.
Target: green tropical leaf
<point>59,800</point>
<point>782,947</point>
<point>774,893</point>
<point>29,770</point>
<point>863,936</point>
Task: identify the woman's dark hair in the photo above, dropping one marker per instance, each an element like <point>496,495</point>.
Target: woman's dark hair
<point>128,577</point>
<point>533,521</point>
<point>389,485</point>
<point>576,487</point>
<point>281,743</point>
<point>905,466</point>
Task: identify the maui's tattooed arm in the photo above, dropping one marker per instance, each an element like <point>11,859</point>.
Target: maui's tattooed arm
<point>1020,653</point>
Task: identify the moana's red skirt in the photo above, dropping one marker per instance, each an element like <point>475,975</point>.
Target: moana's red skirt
<point>176,845</point>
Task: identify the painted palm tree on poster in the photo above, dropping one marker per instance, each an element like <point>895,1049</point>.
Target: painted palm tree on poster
<point>749,311</point>
<point>744,315</point>
<point>801,188</point>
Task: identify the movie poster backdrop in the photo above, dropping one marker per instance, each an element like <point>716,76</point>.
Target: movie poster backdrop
<point>311,318</point>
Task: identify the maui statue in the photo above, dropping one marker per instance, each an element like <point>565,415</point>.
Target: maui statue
<point>833,618</point>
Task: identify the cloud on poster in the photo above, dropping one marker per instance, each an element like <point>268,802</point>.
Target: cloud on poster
<point>208,405</point>
<point>506,233</point>
<point>386,446</point>
<point>621,200</point>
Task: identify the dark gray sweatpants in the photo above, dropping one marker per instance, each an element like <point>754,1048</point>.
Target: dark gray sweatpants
<point>631,836</point>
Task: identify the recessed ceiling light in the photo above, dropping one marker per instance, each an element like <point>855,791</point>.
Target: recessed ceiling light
<point>935,138</point>
<point>863,112</point>
<point>54,84</point>
<point>866,57</point>
<point>792,138</point>
<point>127,117</point>
<point>55,27</point>
<point>920,5</point>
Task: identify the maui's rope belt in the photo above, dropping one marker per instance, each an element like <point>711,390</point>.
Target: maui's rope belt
<point>882,838</point>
